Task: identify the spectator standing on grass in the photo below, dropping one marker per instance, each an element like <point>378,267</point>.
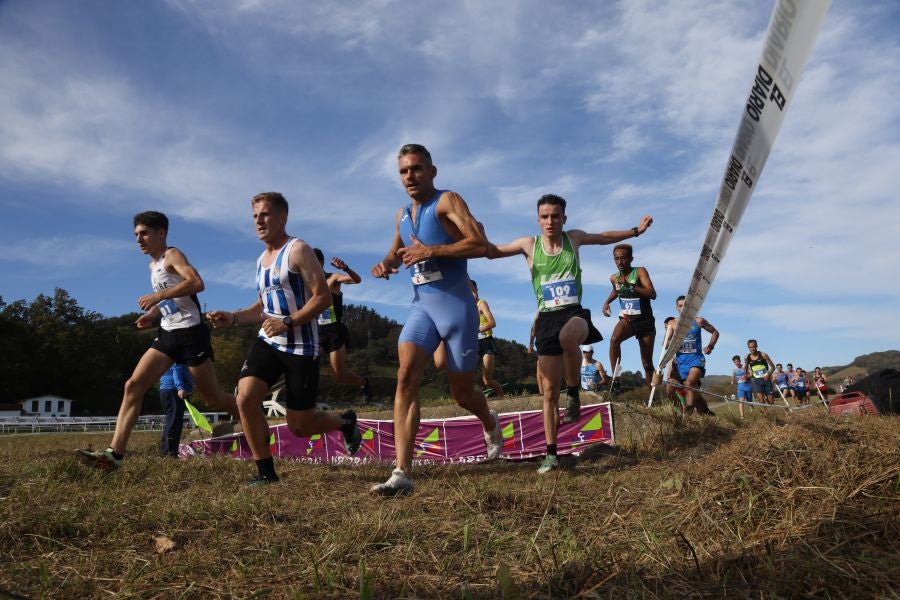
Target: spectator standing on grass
<point>182,336</point>
<point>291,294</point>
<point>174,388</point>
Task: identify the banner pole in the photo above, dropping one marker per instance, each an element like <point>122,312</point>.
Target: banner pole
<point>780,393</point>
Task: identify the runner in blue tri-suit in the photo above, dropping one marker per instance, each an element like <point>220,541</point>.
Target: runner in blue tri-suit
<point>433,237</point>
<point>690,362</point>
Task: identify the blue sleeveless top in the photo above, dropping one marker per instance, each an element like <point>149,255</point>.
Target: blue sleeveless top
<point>434,274</point>
<point>692,343</point>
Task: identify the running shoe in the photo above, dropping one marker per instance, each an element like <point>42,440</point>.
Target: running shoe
<point>398,483</point>
<point>573,408</point>
<point>102,459</point>
<point>549,463</point>
<point>260,480</point>
<point>352,440</point>
<point>493,440</point>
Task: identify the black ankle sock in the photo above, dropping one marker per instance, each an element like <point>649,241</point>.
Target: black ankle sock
<point>572,390</point>
<point>116,455</point>
<point>551,449</point>
<point>348,422</point>
<point>266,469</point>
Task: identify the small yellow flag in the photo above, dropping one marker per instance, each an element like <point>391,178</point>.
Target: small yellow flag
<point>199,420</point>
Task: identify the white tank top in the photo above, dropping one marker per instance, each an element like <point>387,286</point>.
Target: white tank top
<point>177,313</point>
<point>283,292</point>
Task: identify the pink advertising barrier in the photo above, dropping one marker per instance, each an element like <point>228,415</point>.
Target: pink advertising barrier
<point>455,440</point>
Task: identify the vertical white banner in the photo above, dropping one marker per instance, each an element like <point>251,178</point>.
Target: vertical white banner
<point>789,41</point>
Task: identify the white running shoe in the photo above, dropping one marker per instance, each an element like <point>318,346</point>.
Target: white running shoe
<point>549,463</point>
<point>398,483</point>
<point>493,440</point>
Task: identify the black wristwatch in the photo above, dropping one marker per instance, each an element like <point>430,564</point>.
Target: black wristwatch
<point>634,230</point>
<point>288,321</point>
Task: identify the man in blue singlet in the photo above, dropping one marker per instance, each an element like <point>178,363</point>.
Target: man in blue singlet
<point>781,381</point>
<point>791,375</point>
<point>433,237</point>
<point>801,386</point>
<point>741,381</point>
<point>182,338</point>
<point>562,324</point>
<point>291,294</point>
<point>593,375</point>
<point>690,362</point>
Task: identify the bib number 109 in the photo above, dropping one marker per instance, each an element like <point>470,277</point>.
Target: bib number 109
<point>558,293</point>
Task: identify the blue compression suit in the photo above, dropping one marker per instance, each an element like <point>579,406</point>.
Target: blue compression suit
<point>443,307</point>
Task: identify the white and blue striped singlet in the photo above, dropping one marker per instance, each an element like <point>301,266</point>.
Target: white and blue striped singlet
<point>177,313</point>
<point>283,292</point>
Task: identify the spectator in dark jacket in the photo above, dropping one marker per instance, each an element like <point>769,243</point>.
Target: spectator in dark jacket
<point>174,387</point>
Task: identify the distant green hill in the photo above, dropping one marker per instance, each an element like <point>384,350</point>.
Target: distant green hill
<point>863,366</point>
<point>859,368</point>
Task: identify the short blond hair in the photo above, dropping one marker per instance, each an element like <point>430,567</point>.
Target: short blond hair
<point>276,199</point>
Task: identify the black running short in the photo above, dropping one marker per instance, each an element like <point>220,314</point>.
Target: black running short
<point>301,373</point>
<point>487,346</point>
<point>643,326</point>
<point>332,337</point>
<point>550,323</point>
<point>190,346</point>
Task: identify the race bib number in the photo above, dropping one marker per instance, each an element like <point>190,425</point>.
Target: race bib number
<point>426,272</point>
<point>630,306</point>
<point>759,371</point>
<point>688,346</point>
<point>327,317</point>
<point>170,311</point>
<point>560,293</point>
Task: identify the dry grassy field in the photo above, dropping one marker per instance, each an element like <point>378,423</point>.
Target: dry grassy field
<point>804,505</point>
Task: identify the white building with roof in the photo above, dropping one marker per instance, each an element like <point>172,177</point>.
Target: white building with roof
<point>47,406</point>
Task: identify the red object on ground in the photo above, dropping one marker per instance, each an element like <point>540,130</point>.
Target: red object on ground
<point>853,403</point>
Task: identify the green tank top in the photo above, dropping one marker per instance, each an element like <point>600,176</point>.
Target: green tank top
<point>557,278</point>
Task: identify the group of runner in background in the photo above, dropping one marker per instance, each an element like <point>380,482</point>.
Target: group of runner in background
<point>758,379</point>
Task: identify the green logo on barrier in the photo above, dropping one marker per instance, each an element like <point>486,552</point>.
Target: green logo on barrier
<point>315,442</point>
<point>509,436</point>
<point>430,444</point>
<point>592,431</point>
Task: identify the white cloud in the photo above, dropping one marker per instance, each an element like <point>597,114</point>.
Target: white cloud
<point>55,253</point>
<point>240,274</point>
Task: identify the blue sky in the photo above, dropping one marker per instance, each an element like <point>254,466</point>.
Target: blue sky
<point>625,109</point>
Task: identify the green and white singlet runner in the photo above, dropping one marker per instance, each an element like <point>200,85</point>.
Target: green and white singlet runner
<point>556,278</point>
